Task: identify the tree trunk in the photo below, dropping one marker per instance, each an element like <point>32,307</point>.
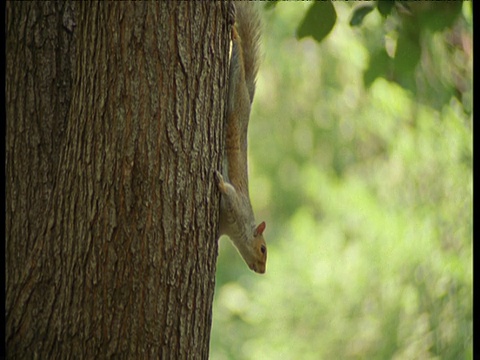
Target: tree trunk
<point>114,129</point>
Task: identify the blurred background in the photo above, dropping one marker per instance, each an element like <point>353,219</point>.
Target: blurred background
<point>360,160</point>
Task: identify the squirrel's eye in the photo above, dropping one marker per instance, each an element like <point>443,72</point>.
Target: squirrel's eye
<point>263,249</point>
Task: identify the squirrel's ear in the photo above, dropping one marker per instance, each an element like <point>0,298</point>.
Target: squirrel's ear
<point>260,229</point>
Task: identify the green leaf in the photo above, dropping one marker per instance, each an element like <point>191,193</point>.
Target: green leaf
<point>408,52</point>
<point>407,57</point>
<point>271,4</point>
<point>359,13</point>
<point>440,14</point>
<point>380,66</point>
<point>319,21</point>
<point>384,7</point>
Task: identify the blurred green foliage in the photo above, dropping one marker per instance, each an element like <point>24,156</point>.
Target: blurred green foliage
<point>361,165</point>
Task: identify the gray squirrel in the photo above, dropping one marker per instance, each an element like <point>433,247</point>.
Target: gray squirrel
<point>237,220</point>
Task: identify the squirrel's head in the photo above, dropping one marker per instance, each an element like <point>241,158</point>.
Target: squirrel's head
<point>258,256</point>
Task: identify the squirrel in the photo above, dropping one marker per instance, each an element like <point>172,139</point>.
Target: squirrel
<point>237,220</point>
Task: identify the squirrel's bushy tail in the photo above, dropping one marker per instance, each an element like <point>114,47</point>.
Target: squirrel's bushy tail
<point>248,24</point>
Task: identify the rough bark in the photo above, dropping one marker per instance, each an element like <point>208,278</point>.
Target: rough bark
<point>114,125</point>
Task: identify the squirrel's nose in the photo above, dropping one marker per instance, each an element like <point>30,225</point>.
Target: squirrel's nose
<point>260,269</point>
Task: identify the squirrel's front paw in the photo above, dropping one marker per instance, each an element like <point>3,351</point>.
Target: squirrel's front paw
<point>231,13</point>
<point>220,182</point>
